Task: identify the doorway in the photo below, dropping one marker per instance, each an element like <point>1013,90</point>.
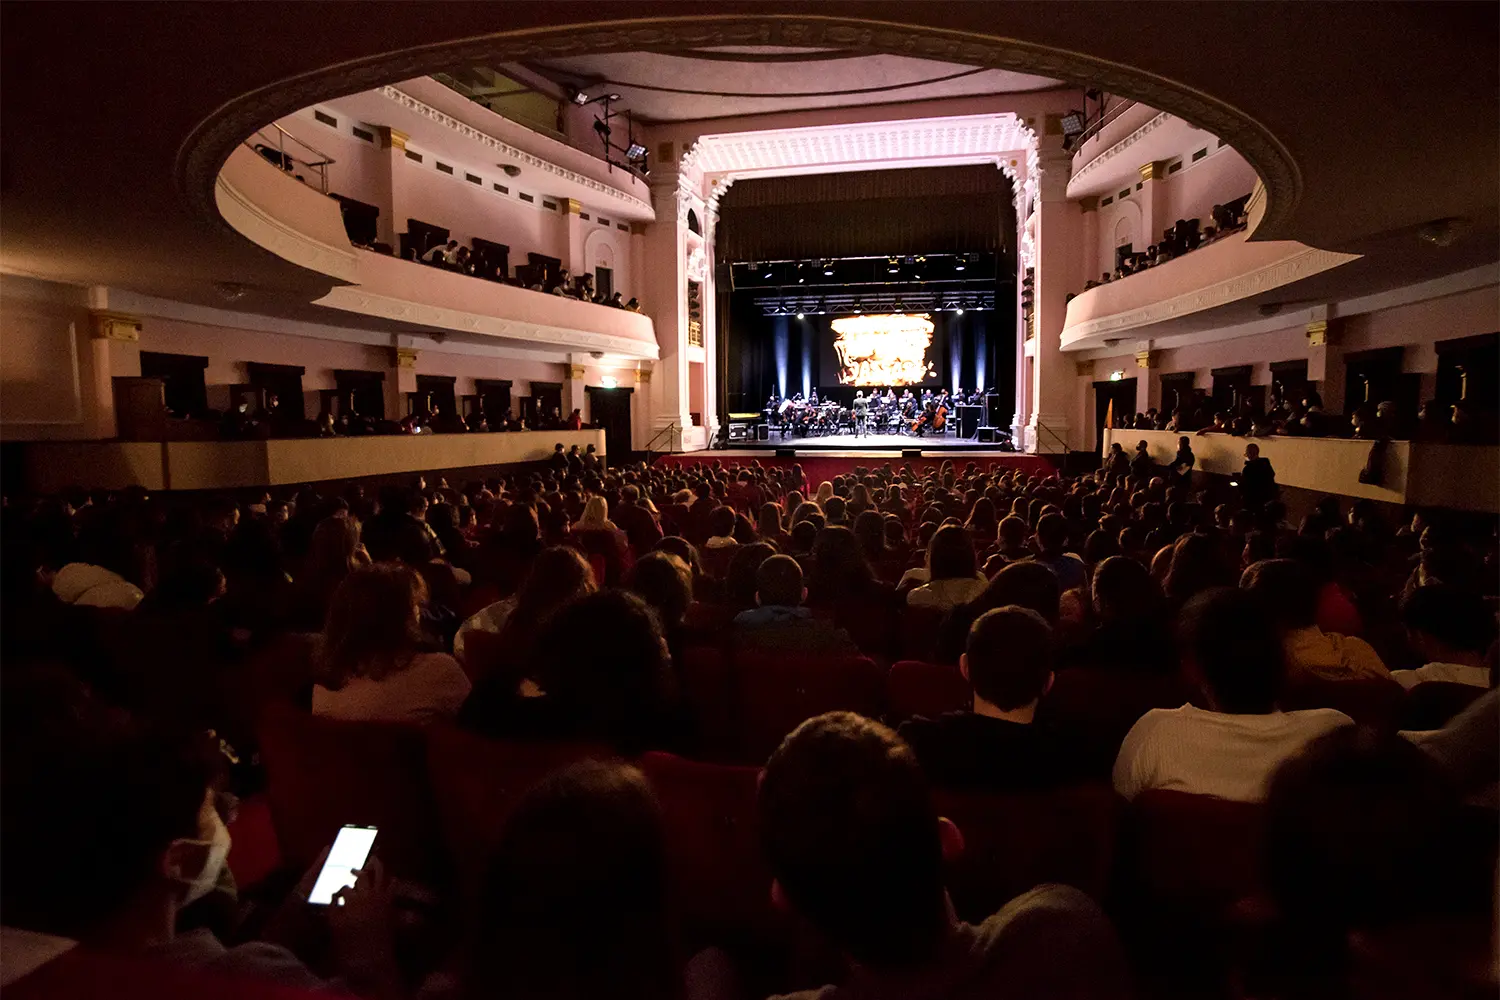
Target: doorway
<point>1122,395</point>
<point>1374,377</point>
<point>610,409</point>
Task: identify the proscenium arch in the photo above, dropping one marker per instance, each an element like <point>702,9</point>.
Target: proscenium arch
<point>203,153</point>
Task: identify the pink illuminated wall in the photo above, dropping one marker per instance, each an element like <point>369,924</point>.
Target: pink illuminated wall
<point>1190,193</point>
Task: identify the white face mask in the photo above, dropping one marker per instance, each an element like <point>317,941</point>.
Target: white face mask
<point>203,883</point>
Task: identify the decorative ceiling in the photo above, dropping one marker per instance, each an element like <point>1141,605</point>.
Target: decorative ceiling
<point>714,82</point>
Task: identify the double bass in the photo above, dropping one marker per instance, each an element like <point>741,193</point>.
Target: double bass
<point>940,417</point>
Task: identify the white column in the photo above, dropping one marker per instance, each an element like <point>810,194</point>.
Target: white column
<point>711,417</point>
<point>1057,237</point>
<point>665,299</point>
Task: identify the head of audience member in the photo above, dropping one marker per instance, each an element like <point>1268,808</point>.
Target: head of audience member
<point>778,583</point>
<point>1051,535</point>
<point>684,550</point>
<point>982,523</point>
<point>558,575</point>
<point>721,522</point>
<point>1008,661</point>
<point>1364,841</point>
<point>166,845</point>
<point>950,554</point>
<point>335,551</point>
<point>374,625</point>
<point>665,583</point>
<point>1013,534</point>
<point>1196,564</point>
<point>522,531</point>
<point>584,850</point>
<point>805,512</point>
<point>739,579</point>
<point>595,515</point>
<point>836,510</point>
<point>1286,590</point>
<point>1022,584</point>
<point>869,530</point>
<point>824,494</point>
<point>840,568</point>
<point>804,537</point>
<point>857,849</point>
<point>1448,624</point>
<point>768,525</point>
<point>602,660</point>
<point>1230,648</point>
<point>1123,591</point>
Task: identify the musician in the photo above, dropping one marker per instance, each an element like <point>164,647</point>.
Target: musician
<point>812,399</point>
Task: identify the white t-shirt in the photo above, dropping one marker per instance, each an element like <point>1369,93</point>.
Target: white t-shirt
<point>1192,750</point>
<point>947,593</point>
<point>1447,673</point>
<point>433,687</point>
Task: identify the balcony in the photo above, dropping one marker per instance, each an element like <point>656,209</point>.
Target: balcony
<point>1213,286</point>
<point>299,224</point>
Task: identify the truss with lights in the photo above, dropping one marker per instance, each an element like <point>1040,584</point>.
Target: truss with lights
<point>919,283</point>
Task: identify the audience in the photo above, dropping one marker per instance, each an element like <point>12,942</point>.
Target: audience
<point>1288,594</point>
<point>952,578</point>
<point>1451,630</point>
<point>857,850</point>
<point>373,662</point>
<point>780,621</point>
<point>1231,748</point>
<point>1008,662</point>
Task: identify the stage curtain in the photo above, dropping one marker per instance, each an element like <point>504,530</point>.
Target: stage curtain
<point>873,213</point>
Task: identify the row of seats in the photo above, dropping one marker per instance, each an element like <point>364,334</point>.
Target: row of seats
<point>440,798</point>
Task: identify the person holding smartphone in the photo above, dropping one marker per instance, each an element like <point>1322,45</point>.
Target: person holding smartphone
<point>110,843</point>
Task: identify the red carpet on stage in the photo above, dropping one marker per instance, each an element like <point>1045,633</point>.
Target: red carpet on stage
<point>817,468</point>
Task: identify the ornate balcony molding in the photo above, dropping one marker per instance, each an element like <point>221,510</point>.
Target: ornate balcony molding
<point>257,225</point>
<point>1120,147</point>
<point>473,134</point>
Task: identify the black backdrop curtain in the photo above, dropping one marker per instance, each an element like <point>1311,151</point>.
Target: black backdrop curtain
<point>873,213</point>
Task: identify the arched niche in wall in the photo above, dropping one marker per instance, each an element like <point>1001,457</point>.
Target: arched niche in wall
<point>693,225</point>
<point>599,251</point>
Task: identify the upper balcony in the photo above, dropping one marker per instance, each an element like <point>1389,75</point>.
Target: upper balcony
<point>1111,157</point>
<point>298,223</point>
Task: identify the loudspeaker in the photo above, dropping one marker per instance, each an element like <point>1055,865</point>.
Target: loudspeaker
<point>911,452</point>
<point>786,452</point>
<point>762,432</point>
<point>987,434</point>
<point>992,414</point>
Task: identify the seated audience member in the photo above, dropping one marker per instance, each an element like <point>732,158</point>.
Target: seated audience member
<point>768,526</point>
<point>1194,563</point>
<point>1051,543</point>
<point>739,581</point>
<point>1288,593</point>
<point>952,577</point>
<point>1450,629</point>
<point>857,849</point>
<point>1378,888</point>
<point>152,800</point>
<point>599,672</point>
<point>841,572</point>
<point>780,620</point>
<point>335,552</point>
<point>595,517</point>
<point>558,575</point>
<point>665,583</point>
<point>1131,630</point>
<point>85,585</point>
<point>721,529</point>
<point>584,849</point>
<point>998,745</point>
<point>1230,749</point>
<point>1025,584</point>
<point>637,520</point>
<point>371,661</point>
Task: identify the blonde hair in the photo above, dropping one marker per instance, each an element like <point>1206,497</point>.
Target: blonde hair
<point>825,493</point>
<point>595,513</point>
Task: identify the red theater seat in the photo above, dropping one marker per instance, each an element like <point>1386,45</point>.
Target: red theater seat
<point>1015,842</point>
<point>714,844</point>
<point>254,852</point>
<point>708,688</point>
<point>476,782</point>
<point>322,774</point>
<point>929,689</point>
<point>1431,704</point>
<point>87,974</point>
<point>1374,703</point>
<point>774,692</point>
<point>919,632</point>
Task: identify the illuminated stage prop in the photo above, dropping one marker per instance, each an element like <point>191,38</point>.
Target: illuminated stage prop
<point>883,350</point>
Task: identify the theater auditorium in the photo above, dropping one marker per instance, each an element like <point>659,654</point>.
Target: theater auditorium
<point>670,501</point>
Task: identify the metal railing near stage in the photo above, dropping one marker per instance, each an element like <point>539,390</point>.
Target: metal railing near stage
<point>669,432</point>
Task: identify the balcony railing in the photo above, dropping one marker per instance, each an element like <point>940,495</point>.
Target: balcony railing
<point>272,145</point>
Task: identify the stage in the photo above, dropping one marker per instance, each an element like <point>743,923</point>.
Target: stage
<point>825,463</point>
<point>880,443</point>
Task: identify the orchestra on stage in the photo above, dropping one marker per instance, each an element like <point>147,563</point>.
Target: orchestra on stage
<point>878,413</point>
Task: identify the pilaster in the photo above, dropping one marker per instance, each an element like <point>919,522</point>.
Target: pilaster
<point>1057,231</point>
<point>390,187</point>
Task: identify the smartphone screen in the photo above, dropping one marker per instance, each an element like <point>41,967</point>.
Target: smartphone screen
<point>350,850</point>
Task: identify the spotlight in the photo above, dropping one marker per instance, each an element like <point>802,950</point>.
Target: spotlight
<point>577,96</point>
<point>892,266</point>
<point>828,270</point>
<point>635,151</point>
<point>800,316</point>
<point>959,310</point>
<point>1073,123</point>
<point>960,265</point>
<point>769,273</point>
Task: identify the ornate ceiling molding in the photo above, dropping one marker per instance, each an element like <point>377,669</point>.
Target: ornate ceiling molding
<point>203,152</point>
<point>505,149</point>
<point>960,138</point>
<point>1302,263</point>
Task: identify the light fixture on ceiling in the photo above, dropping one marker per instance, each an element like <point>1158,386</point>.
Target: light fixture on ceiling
<point>1073,123</point>
<point>1117,375</point>
<point>959,310</point>
<point>511,170</point>
<point>828,269</point>
<point>635,151</point>
<point>609,381</point>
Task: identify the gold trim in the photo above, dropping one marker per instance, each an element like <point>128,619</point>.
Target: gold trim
<point>1317,333</point>
<point>404,357</point>
<point>573,206</point>
<point>642,376</point>
<point>1154,171</point>
<point>1145,359</point>
<point>116,326</point>
<point>391,137</point>
<point>575,371</point>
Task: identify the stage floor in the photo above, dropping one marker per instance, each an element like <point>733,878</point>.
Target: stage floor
<point>867,442</point>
